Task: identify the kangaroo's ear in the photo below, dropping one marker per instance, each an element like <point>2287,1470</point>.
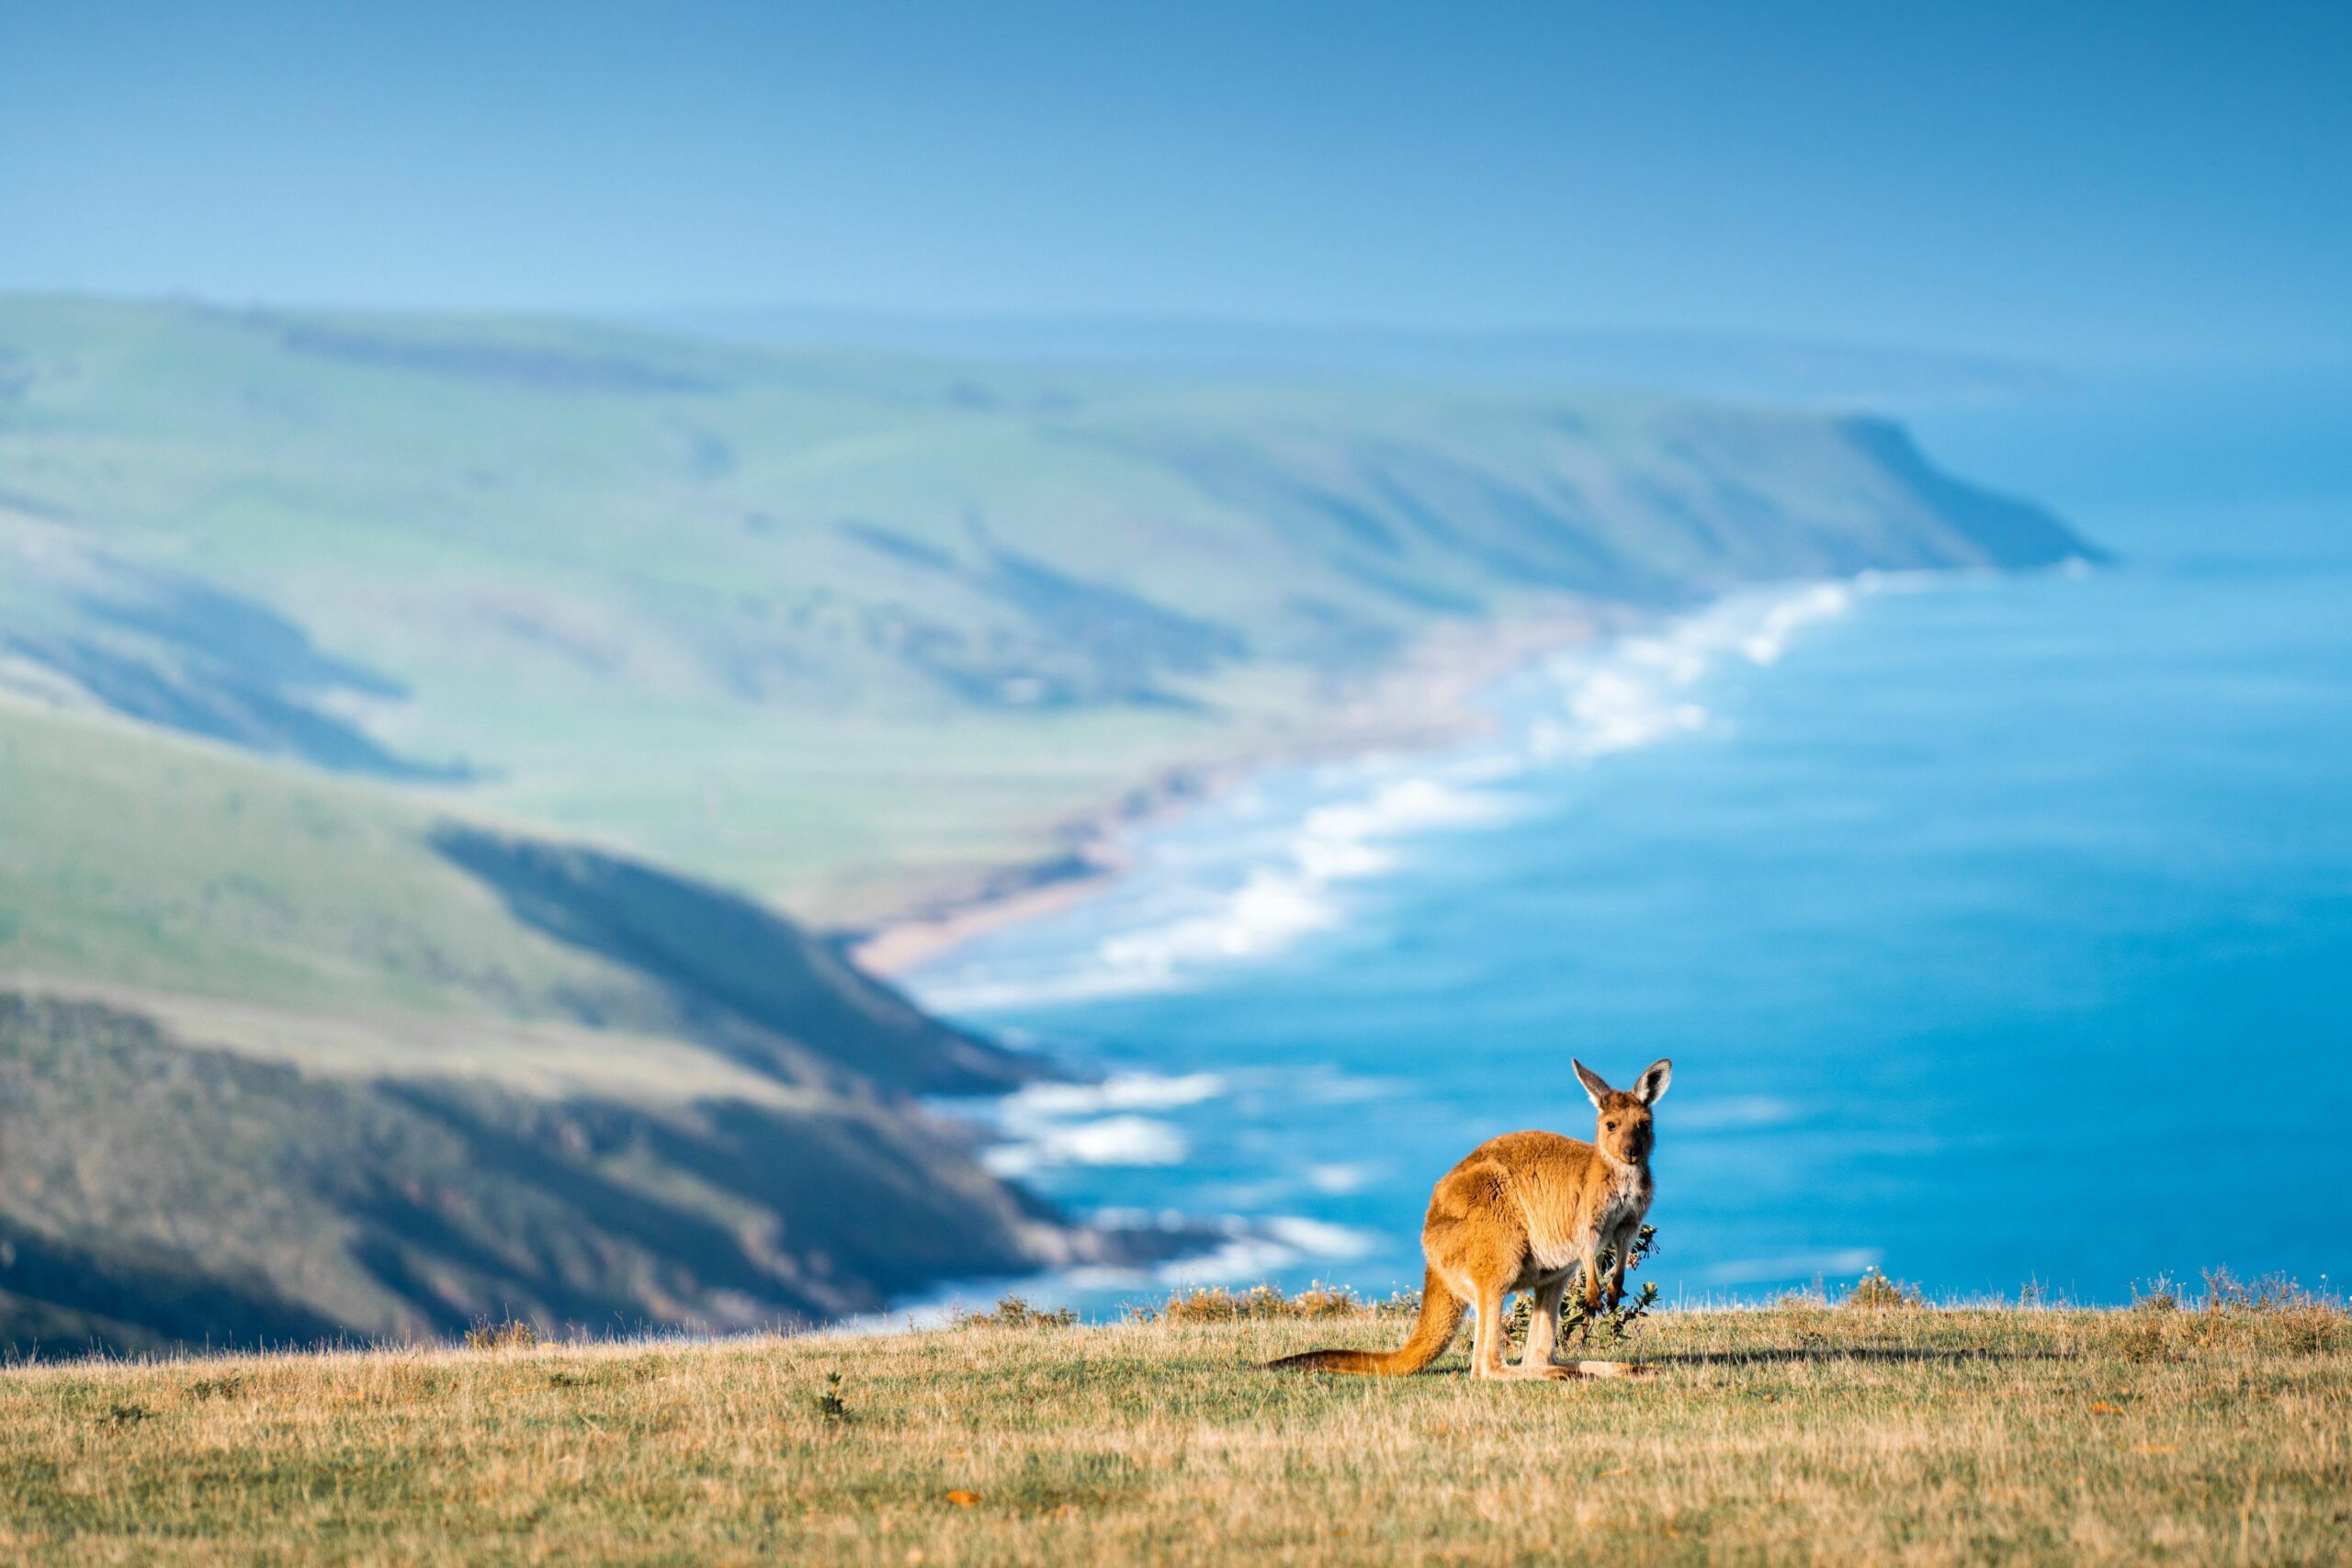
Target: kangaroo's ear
<point>1653,1081</point>
<point>1594,1084</point>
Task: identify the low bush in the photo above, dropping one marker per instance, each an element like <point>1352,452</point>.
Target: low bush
<point>1876,1292</point>
<point>1014,1312</point>
<point>513,1334</point>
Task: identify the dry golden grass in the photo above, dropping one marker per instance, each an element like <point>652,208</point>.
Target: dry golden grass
<point>1805,1432</point>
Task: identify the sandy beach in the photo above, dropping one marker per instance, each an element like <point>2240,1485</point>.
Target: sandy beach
<point>1421,701</point>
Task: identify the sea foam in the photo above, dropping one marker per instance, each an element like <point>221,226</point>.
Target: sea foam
<point>1237,886</point>
<point>1045,1125</point>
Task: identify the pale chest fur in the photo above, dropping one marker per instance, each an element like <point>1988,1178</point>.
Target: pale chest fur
<point>1562,1231</point>
<point>1623,1202</point>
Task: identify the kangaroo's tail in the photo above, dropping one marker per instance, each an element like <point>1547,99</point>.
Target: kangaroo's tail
<point>1442,1313</point>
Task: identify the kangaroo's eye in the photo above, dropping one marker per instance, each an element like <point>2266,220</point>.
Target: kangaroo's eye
<point>1612,1126</point>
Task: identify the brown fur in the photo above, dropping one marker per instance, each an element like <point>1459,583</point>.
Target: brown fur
<point>1525,1211</point>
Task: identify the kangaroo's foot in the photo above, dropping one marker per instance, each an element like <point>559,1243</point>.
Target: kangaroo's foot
<point>1604,1368</point>
<point>1530,1372</point>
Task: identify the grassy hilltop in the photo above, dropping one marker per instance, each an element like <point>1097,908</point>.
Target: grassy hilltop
<point>1803,1433</point>
<point>372,926</point>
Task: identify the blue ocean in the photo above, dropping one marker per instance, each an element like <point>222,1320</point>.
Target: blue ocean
<point>1999,929</point>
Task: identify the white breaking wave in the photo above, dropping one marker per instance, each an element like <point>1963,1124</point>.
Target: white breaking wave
<point>1269,1245</point>
<point>1281,902</point>
<point>1115,1140</point>
<point>1272,904</point>
<point>1246,1249</point>
<point>1121,1091</point>
<point>1639,691</point>
<point>1062,1124</point>
<point>1263,896</point>
<point>1338,1180</point>
<point>1250,1251</point>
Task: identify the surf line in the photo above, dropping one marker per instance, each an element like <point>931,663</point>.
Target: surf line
<point>1247,873</point>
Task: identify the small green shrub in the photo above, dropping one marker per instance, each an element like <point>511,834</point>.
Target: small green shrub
<point>829,1404</point>
<point>1618,1321</point>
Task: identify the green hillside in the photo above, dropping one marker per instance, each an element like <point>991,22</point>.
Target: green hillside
<point>286,1057</point>
<point>839,628</point>
<point>337,921</point>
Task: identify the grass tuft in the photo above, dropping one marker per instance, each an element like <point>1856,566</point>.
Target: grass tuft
<point>2274,1314</point>
<point>1014,1312</point>
<point>512,1333</point>
<point>1264,1303</point>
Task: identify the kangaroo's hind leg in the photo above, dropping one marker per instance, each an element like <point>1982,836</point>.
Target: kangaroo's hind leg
<point>1487,1339</point>
<point>1543,1322</point>
<point>1487,1354</point>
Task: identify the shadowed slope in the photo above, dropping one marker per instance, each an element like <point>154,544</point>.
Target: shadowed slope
<point>739,974</point>
<point>154,1193</point>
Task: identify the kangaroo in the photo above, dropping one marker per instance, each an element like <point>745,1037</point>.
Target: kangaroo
<point>1522,1212</point>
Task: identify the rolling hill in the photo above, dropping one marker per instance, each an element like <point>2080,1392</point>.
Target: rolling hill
<point>840,628</point>
<point>285,1057</point>
<point>430,749</point>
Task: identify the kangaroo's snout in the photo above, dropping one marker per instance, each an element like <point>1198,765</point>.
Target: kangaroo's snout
<point>1627,1137</point>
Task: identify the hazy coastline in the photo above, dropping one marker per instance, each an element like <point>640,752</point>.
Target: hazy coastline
<point>1521,702</point>
<point>1424,703</point>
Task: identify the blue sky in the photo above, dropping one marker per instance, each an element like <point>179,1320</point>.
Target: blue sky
<point>2083,183</point>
